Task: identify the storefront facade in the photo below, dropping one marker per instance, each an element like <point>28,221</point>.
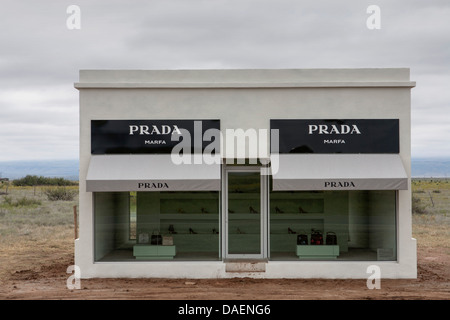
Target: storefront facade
<point>245,173</point>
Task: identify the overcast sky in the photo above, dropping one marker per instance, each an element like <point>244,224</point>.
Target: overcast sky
<point>40,57</point>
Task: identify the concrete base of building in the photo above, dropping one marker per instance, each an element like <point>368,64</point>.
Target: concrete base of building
<point>404,268</point>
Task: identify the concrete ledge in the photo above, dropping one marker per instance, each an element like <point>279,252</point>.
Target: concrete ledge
<point>237,85</point>
<point>245,75</point>
<point>259,270</point>
<point>245,266</point>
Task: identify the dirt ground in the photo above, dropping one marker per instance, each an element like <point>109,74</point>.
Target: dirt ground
<point>46,280</point>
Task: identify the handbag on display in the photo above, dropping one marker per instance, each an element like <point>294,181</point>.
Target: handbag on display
<point>167,241</point>
<point>331,239</point>
<point>143,238</point>
<point>156,238</point>
<point>302,239</point>
<point>316,237</point>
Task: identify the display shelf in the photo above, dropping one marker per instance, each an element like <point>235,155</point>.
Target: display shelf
<point>296,216</point>
<point>287,195</point>
<point>295,207</point>
<point>189,216</point>
<point>296,203</point>
<point>244,216</point>
<point>300,212</point>
<point>184,227</point>
<point>187,203</point>
<point>185,207</point>
<point>201,242</point>
<point>152,252</point>
<point>161,211</point>
<point>317,252</point>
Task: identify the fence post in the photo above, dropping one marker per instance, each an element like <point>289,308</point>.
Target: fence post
<point>75,221</point>
<point>431,198</point>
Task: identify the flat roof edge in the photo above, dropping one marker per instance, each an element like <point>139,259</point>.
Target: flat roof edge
<point>231,85</point>
<point>221,77</point>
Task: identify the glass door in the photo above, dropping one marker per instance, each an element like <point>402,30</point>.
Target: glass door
<point>245,213</point>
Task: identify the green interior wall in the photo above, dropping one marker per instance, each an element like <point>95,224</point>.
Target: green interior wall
<point>111,222</point>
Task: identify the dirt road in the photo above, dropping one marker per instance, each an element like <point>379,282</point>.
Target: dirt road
<point>47,280</point>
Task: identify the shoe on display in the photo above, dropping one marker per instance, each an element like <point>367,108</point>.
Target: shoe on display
<point>278,210</point>
<point>300,210</point>
<point>172,229</point>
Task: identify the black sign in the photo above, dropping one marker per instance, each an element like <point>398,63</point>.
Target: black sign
<point>337,136</point>
<point>149,136</point>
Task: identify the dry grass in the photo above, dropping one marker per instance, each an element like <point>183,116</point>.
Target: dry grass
<point>431,228</point>
<point>431,235</point>
<point>29,232</point>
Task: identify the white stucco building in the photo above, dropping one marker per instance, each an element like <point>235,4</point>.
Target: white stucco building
<point>245,173</point>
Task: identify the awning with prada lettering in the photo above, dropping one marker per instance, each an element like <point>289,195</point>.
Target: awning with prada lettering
<point>144,172</point>
<point>338,172</point>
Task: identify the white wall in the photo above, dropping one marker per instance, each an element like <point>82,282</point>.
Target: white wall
<point>245,99</point>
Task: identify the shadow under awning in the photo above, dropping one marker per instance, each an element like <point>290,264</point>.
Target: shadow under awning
<point>149,173</point>
<point>338,172</point>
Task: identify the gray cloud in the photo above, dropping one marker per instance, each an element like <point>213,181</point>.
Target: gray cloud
<point>40,58</point>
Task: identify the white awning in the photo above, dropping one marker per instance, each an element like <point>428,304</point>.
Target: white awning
<point>149,173</point>
<point>338,172</point>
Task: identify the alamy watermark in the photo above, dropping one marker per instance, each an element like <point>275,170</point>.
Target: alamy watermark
<point>74,281</point>
<point>374,280</point>
<point>239,145</point>
<point>373,22</point>
<point>73,21</point>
